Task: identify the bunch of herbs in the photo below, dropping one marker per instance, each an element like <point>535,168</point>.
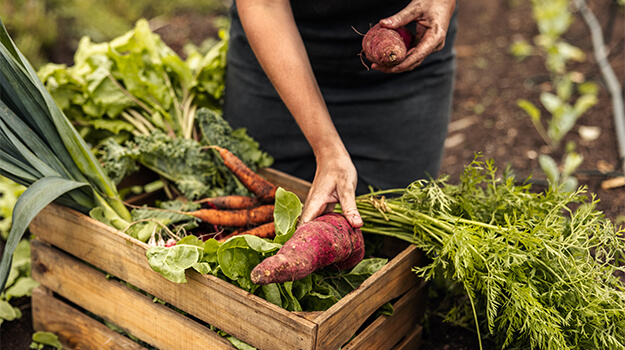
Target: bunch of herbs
<point>539,269</point>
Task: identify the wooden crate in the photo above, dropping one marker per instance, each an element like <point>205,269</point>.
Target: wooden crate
<point>73,256</point>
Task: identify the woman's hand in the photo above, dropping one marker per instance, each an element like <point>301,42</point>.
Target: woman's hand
<point>432,18</point>
<point>335,182</point>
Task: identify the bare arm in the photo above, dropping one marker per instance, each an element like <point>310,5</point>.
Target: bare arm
<point>275,40</point>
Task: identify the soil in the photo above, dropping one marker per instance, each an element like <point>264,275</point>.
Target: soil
<point>486,118</point>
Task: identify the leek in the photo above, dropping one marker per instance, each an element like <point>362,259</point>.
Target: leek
<point>40,149</point>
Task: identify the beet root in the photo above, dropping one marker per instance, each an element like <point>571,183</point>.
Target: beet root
<point>328,240</point>
<point>386,47</point>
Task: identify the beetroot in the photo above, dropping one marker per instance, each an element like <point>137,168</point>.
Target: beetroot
<point>328,240</point>
<point>386,47</point>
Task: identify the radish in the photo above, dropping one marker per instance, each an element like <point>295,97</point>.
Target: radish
<point>328,241</point>
<point>385,46</point>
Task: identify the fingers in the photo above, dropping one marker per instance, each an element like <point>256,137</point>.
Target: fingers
<point>433,40</point>
<point>328,189</point>
<point>401,18</point>
<point>348,206</point>
<point>432,20</point>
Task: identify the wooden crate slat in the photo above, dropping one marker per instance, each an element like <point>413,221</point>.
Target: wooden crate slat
<point>128,309</point>
<point>288,182</point>
<point>412,341</point>
<point>343,319</point>
<point>387,331</point>
<point>208,298</point>
<point>74,329</point>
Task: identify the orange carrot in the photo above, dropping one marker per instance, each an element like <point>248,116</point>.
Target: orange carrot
<point>235,218</point>
<point>259,186</point>
<point>230,202</point>
<point>267,230</point>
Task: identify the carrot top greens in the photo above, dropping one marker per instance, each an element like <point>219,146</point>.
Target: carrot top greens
<point>539,269</point>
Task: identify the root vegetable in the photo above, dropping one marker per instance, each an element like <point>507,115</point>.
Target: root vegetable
<point>235,218</point>
<point>267,230</point>
<point>386,47</point>
<point>328,240</point>
<point>259,186</point>
<point>230,202</point>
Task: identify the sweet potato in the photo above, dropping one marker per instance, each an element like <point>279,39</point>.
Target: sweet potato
<point>326,241</point>
<point>386,47</point>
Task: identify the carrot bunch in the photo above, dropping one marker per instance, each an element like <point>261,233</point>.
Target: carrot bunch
<point>248,214</point>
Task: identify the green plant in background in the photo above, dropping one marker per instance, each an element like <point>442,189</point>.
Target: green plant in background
<point>137,102</point>
<point>19,284</point>
<point>37,25</point>
<point>572,97</point>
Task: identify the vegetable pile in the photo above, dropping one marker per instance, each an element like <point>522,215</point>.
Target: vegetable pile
<point>139,104</point>
<point>539,269</point>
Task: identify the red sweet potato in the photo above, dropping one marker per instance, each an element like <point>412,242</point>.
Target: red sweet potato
<point>386,47</point>
<point>328,240</point>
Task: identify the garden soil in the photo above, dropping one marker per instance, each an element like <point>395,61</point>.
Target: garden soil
<point>485,119</point>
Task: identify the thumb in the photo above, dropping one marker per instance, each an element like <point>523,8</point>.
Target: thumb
<point>397,20</point>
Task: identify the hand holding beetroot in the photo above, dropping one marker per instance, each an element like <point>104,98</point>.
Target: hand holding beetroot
<point>432,20</point>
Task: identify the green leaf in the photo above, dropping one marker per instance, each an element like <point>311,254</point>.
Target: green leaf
<point>8,312</point>
<point>237,259</point>
<point>551,102</point>
<point>202,268</point>
<point>584,103</point>
<point>550,167</point>
<point>30,203</point>
<point>530,109</point>
<point>572,160</point>
<point>287,210</point>
<point>47,338</point>
<point>261,245</point>
<point>588,88</point>
<point>22,288</point>
<point>172,262</point>
<point>271,293</point>
<point>292,302</point>
<point>570,184</point>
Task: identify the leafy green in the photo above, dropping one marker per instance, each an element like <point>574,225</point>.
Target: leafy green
<point>172,262</point>
<point>196,171</point>
<point>234,259</point>
<point>140,104</point>
<point>287,210</point>
<point>41,339</point>
<point>539,269</point>
<point>135,84</point>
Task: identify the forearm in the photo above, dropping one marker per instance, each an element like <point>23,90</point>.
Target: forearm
<point>275,40</point>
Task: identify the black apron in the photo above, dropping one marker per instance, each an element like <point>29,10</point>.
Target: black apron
<point>393,125</point>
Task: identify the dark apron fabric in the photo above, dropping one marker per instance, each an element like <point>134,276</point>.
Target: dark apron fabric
<point>393,125</point>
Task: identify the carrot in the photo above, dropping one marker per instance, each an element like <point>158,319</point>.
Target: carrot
<point>235,218</point>
<point>230,202</point>
<point>259,186</point>
<point>267,230</point>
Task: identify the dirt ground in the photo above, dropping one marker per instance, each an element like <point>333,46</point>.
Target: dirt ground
<point>486,119</point>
